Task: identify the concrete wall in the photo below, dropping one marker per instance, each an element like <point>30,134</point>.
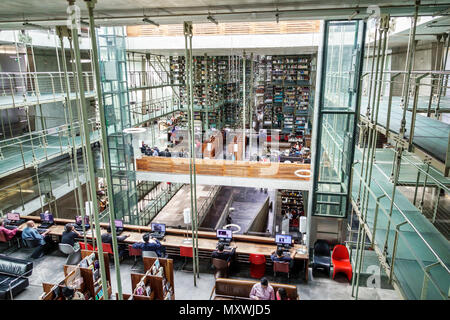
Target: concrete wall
<point>260,221</point>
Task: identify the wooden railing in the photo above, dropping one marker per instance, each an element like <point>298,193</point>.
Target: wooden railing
<point>229,168</point>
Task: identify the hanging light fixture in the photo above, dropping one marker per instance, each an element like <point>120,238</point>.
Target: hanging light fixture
<point>150,21</point>
<point>211,19</point>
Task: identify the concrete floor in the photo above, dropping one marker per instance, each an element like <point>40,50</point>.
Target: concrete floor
<point>320,287</point>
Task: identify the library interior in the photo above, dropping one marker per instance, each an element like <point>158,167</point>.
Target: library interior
<point>224,150</point>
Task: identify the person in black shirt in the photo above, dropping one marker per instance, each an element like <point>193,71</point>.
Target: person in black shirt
<point>229,256</point>
<point>167,153</point>
<point>69,235</point>
<point>107,238</point>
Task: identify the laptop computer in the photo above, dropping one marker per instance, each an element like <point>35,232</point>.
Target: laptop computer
<point>118,223</point>
<point>46,220</point>
<point>225,236</point>
<point>158,230</point>
<point>283,241</point>
<point>13,220</point>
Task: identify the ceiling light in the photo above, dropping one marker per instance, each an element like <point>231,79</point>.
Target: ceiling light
<point>353,14</point>
<point>150,21</point>
<point>211,18</point>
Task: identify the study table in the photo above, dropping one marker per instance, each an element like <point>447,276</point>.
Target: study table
<point>175,238</point>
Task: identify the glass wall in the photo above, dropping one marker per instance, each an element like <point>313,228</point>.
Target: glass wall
<point>338,104</point>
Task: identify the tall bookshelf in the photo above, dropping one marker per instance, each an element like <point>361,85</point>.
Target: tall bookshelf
<point>215,87</point>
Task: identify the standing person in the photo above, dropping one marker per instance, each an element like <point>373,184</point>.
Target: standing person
<point>69,235</point>
<point>9,234</point>
<point>45,241</point>
<point>262,291</point>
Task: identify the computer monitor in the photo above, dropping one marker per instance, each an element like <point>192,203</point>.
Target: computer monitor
<point>118,223</point>
<point>46,217</point>
<point>224,234</point>
<point>79,219</point>
<point>283,239</point>
<point>158,227</point>
<point>12,216</point>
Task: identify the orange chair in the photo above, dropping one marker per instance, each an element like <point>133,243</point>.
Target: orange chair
<point>107,248</point>
<point>279,266</point>
<point>132,252</point>
<point>257,265</point>
<point>88,247</point>
<point>186,252</point>
<point>341,261</point>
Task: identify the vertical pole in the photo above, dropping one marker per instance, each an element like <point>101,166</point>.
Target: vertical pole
<point>90,159</point>
<point>104,137</point>
<point>244,102</point>
<point>188,61</point>
<point>59,30</point>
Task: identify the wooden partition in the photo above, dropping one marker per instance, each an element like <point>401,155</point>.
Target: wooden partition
<point>155,282</point>
<point>229,168</point>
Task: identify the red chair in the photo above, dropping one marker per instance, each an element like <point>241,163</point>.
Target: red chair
<point>185,252</point>
<point>83,247</point>
<point>107,248</point>
<point>257,265</point>
<point>279,266</point>
<point>341,261</point>
<point>132,252</point>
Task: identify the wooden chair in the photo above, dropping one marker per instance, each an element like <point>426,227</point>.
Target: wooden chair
<point>221,267</point>
<point>279,266</point>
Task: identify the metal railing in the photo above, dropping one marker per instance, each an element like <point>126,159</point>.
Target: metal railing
<point>28,88</point>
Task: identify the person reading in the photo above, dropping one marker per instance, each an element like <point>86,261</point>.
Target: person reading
<point>262,291</point>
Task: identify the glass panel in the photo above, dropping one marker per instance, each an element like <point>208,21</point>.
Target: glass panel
<point>335,142</point>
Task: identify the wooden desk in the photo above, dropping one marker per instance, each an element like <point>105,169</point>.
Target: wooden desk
<point>207,242</point>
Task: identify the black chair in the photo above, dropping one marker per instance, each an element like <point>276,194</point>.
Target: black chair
<point>322,256</point>
<point>36,245</point>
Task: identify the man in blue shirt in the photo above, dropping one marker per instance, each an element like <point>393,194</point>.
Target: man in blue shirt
<point>279,256</point>
<point>45,242</point>
<point>151,244</point>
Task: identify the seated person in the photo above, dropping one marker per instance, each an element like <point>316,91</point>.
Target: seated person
<point>282,294</point>
<point>107,238</point>
<point>151,244</point>
<point>45,241</point>
<point>279,256</point>
<point>9,234</point>
<point>262,291</point>
<point>227,255</point>
<point>72,294</point>
<point>167,153</point>
<point>69,235</point>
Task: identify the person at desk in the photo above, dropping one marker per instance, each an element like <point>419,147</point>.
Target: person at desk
<point>228,255</point>
<point>262,291</point>
<point>151,244</point>
<point>107,238</point>
<point>45,241</point>
<point>279,256</point>
<point>69,235</point>
<point>9,234</point>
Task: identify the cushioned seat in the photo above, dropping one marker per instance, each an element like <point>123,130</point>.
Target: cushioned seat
<point>13,276</point>
<point>322,258</point>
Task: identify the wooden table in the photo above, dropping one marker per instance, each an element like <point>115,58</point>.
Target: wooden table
<point>207,242</point>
